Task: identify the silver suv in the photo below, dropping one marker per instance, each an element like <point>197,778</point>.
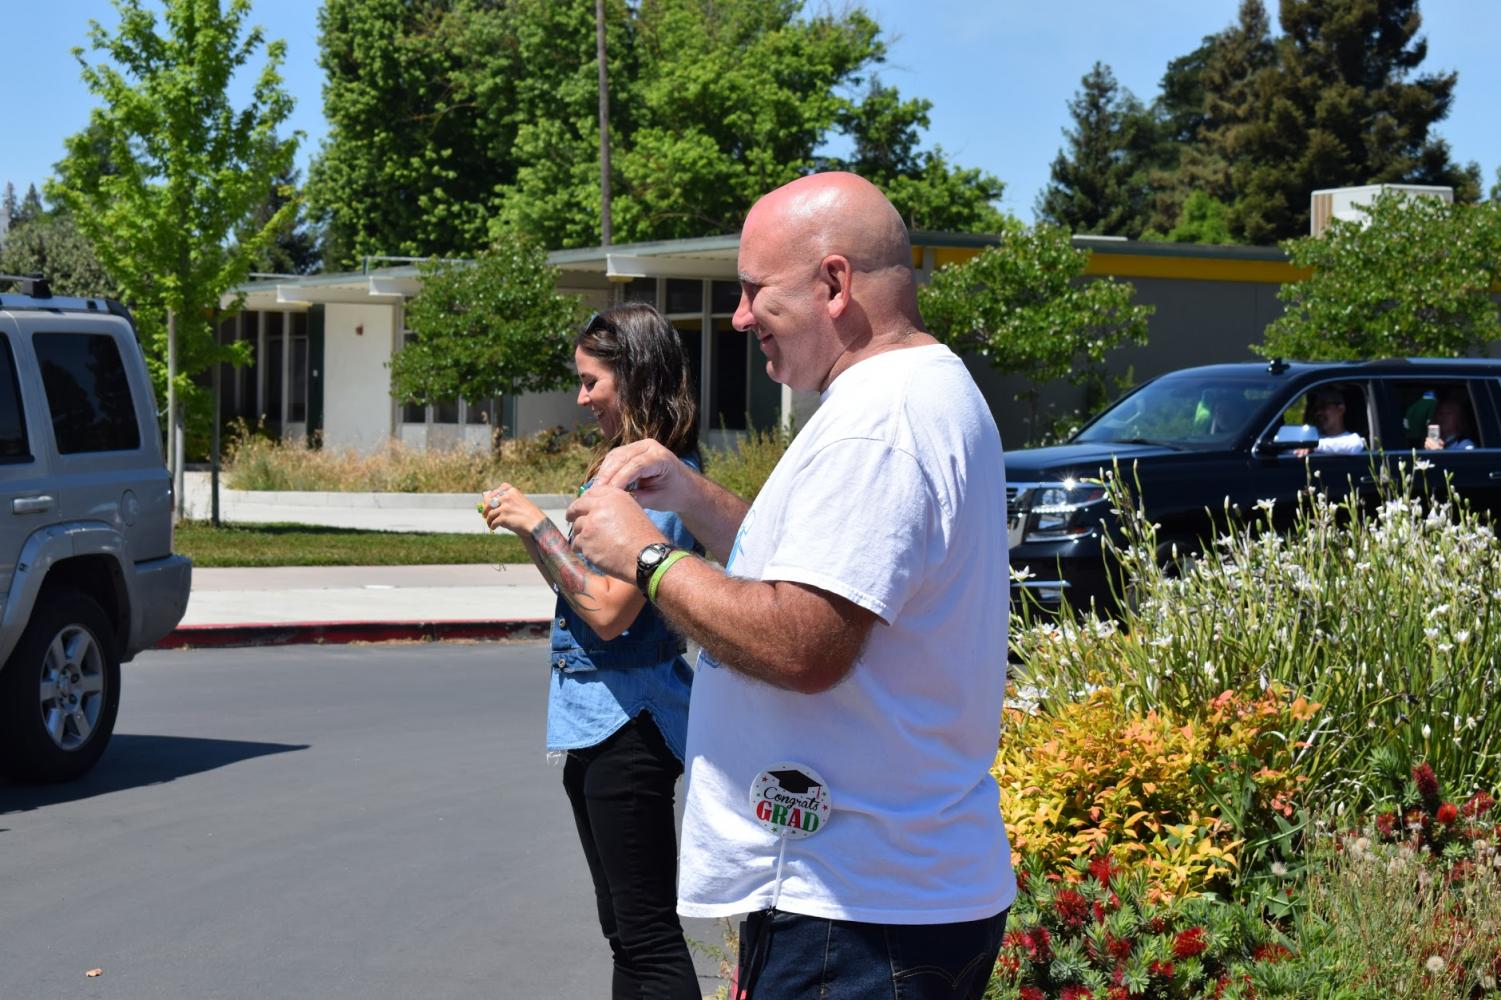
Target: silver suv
<point>87,573</point>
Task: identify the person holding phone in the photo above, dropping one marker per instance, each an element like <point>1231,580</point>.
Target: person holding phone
<point>618,694</point>
<point>1451,427</point>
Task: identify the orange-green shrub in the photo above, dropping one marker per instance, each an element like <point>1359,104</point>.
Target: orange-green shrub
<point>1186,802</point>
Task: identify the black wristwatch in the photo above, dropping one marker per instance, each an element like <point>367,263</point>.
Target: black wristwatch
<point>647,562</point>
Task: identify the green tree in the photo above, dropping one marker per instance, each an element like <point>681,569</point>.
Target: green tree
<point>1340,107</point>
<point>296,249</point>
<point>169,170</point>
<point>1099,182</point>
<point>50,244</point>
<point>929,191</point>
<point>495,325</point>
<point>454,119</point>
<point>1413,277</point>
<point>1025,308</point>
<point>404,170</point>
<point>1207,103</point>
<point>1203,219</point>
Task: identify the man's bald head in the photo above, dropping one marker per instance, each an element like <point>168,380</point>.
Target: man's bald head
<point>834,213</point>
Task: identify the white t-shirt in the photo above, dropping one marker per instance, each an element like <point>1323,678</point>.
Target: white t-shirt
<point>1348,443</point>
<point>893,496</point>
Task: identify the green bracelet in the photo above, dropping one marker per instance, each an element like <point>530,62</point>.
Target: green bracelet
<point>662,568</point>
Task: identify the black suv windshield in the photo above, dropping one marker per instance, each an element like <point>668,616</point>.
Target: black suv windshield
<point>1200,411</point>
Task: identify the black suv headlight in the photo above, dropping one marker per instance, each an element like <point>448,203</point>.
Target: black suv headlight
<point>1056,512</point>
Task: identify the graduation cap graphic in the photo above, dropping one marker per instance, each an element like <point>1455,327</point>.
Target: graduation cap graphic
<point>795,782</point>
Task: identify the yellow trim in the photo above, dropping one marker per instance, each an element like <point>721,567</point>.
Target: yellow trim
<point>1266,272</point>
<point>1130,265</point>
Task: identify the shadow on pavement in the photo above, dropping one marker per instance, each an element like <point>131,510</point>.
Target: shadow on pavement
<point>132,761</point>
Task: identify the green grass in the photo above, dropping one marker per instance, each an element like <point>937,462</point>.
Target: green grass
<point>307,545</point>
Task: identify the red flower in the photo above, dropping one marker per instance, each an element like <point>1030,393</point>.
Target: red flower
<point>1270,952</point>
<point>1037,944</point>
<point>1075,993</point>
<point>1117,947</point>
<point>1386,824</point>
<point>1427,783</point>
<point>1117,993</point>
<point>1072,907</point>
<point>1163,969</point>
<point>1156,925</point>
<point>1103,868</point>
<point>1190,943</point>
<point>1480,803</point>
<point>1032,993</point>
<point>1021,879</point>
<point>1447,813</point>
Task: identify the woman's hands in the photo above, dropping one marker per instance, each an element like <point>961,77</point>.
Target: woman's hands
<point>509,508</point>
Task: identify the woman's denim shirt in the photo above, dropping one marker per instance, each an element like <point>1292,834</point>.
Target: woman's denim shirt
<point>597,686</point>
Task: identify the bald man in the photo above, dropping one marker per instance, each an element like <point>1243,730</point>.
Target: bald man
<point>847,701</point>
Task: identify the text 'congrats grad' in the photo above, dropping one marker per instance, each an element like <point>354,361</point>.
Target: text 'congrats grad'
<point>846,706</point>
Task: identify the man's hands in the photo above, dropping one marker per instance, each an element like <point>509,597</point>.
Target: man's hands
<point>657,477</point>
<point>610,528</point>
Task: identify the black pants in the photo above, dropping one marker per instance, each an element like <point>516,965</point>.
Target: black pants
<point>621,792</point>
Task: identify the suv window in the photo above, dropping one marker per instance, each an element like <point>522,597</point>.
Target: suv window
<point>1187,411</point>
<point>87,392</point>
<point>14,446</point>
<point>1340,411</point>
<point>1443,411</point>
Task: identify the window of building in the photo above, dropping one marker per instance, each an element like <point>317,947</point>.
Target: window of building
<point>88,393</point>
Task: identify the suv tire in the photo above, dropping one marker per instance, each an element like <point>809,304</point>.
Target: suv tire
<point>60,690</point>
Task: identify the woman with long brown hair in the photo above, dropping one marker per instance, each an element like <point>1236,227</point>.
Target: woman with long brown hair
<point>618,696</point>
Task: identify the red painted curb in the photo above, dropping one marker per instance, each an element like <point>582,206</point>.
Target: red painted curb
<point>302,633</point>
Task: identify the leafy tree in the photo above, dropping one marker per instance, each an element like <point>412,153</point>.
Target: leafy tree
<point>51,244</point>
<point>31,206</point>
<point>296,248</point>
<point>926,189</point>
<point>1206,105</point>
<point>404,170</point>
<point>1203,219</point>
<point>1099,183</point>
<point>495,325</point>
<point>1340,107</point>
<point>169,170</point>
<point>1024,307</point>
<point>453,119</point>
<point>1413,277</point>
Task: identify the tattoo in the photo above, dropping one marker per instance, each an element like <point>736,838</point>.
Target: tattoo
<point>558,560</point>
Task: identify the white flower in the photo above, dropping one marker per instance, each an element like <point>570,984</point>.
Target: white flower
<point>1025,573</point>
<point>1279,869</point>
<point>1435,964</point>
<point>1266,504</point>
<point>1422,465</point>
<point>1462,636</point>
<point>1445,647</point>
<point>1427,730</point>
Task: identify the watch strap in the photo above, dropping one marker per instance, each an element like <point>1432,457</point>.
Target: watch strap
<point>661,571</point>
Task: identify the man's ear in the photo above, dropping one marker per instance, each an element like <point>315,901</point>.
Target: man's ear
<point>836,272</point>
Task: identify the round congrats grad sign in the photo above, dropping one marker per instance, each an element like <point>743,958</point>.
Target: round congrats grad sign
<point>790,800</point>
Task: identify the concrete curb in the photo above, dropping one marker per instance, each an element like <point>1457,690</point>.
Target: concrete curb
<point>332,633</point>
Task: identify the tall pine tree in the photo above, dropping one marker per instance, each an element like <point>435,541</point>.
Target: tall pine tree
<point>1099,181</point>
<point>1342,106</point>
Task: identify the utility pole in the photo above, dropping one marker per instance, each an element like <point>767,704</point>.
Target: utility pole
<point>604,126</point>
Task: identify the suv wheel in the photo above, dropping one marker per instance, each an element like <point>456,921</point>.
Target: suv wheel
<point>60,690</point>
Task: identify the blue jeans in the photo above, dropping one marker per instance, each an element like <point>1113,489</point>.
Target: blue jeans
<point>788,956</point>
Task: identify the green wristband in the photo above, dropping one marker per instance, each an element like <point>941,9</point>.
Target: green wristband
<point>657,574</point>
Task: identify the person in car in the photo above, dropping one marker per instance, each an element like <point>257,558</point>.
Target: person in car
<point>1452,418</point>
<point>1326,411</point>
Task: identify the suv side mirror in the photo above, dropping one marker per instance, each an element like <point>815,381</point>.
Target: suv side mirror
<point>1290,437</point>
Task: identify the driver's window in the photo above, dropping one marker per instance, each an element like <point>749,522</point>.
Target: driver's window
<point>1340,414</point>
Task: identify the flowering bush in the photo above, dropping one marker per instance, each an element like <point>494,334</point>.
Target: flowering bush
<point>1384,617</point>
<point>1093,932</point>
<point>1177,800</point>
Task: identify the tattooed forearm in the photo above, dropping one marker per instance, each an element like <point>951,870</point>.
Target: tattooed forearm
<point>558,560</point>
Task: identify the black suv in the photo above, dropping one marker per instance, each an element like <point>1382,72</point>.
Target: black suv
<point>1247,433</point>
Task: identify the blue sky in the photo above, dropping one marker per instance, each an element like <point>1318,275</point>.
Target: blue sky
<point>999,72</point>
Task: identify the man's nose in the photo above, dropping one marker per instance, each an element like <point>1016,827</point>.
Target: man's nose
<point>743,320</point>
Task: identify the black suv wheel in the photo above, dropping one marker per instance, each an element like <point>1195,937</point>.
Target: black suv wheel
<point>60,690</point>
